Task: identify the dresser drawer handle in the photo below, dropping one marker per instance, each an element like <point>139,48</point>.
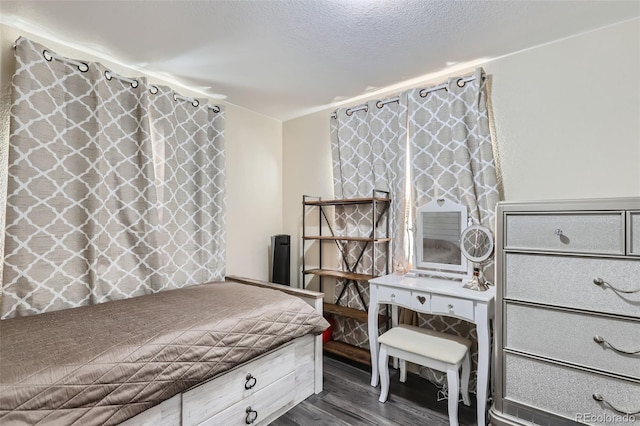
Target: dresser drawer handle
<point>558,232</point>
<point>252,415</point>
<point>421,299</point>
<point>600,398</point>
<point>450,306</point>
<point>599,281</point>
<point>393,295</point>
<point>601,340</point>
<point>251,382</point>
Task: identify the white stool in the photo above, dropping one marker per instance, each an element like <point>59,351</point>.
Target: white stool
<point>440,351</point>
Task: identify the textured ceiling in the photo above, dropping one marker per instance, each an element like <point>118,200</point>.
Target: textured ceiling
<point>287,58</point>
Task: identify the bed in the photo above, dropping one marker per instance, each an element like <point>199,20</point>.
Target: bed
<point>234,352</point>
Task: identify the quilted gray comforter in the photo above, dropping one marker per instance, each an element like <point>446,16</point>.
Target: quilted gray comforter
<point>105,363</point>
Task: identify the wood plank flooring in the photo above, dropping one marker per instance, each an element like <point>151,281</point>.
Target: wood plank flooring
<point>349,400</point>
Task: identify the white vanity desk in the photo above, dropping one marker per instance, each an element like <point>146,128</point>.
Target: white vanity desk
<point>435,296</point>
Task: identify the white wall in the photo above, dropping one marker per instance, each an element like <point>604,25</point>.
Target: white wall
<point>254,190</point>
<point>253,165</point>
<point>567,125</point>
<point>567,116</point>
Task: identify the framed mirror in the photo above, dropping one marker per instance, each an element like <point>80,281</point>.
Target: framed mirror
<point>439,226</point>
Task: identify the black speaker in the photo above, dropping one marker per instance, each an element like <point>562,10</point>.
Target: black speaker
<point>281,259</point>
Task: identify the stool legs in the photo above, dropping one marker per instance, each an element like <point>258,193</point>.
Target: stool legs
<point>461,365</point>
<point>454,390</point>
<point>383,368</point>
<point>464,385</point>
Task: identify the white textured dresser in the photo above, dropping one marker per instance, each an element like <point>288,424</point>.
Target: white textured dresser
<point>567,311</point>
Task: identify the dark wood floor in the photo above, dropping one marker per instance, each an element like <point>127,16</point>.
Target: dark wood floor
<point>349,399</point>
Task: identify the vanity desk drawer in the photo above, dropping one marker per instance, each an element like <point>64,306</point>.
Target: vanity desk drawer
<point>575,233</point>
<point>395,296</point>
<point>461,308</point>
<point>420,302</point>
<point>569,281</point>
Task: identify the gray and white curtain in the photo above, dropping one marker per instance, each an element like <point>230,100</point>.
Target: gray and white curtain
<point>450,155</point>
<point>369,152</point>
<point>115,188</point>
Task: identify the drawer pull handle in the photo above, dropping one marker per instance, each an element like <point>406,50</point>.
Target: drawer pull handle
<point>393,295</point>
<point>558,232</point>
<point>421,299</point>
<point>251,382</point>
<point>252,415</point>
<point>450,306</point>
<point>601,340</point>
<point>600,398</point>
<point>601,282</point>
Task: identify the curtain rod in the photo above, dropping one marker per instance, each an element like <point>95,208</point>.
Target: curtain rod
<point>110,75</point>
<point>423,93</point>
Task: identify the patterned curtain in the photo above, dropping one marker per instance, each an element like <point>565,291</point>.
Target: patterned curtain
<point>115,188</point>
<point>452,157</point>
<point>369,152</point>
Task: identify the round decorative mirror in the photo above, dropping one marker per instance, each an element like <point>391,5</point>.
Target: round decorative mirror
<point>476,244</point>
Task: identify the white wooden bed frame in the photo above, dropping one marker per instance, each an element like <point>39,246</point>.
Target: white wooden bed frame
<point>255,392</point>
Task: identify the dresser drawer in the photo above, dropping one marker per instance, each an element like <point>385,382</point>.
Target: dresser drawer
<point>461,308</point>
<point>260,405</point>
<point>394,295</point>
<point>568,336</point>
<point>208,399</point>
<point>570,232</point>
<point>569,282</point>
<point>633,223</point>
<point>568,392</point>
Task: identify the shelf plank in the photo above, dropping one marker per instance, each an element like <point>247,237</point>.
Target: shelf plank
<point>339,274</point>
<point>361,239</point>
<point>344,311</point>
<point>356,314</point>
<point>348,351</point>
<point>344,201</point>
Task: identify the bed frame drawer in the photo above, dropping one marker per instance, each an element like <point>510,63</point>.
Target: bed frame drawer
<point>259,407</point>
<point>569,337</point>
<point>541,384</point>
<point>574,233</point>
<point>207,400</point>
<point>569,281</point>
